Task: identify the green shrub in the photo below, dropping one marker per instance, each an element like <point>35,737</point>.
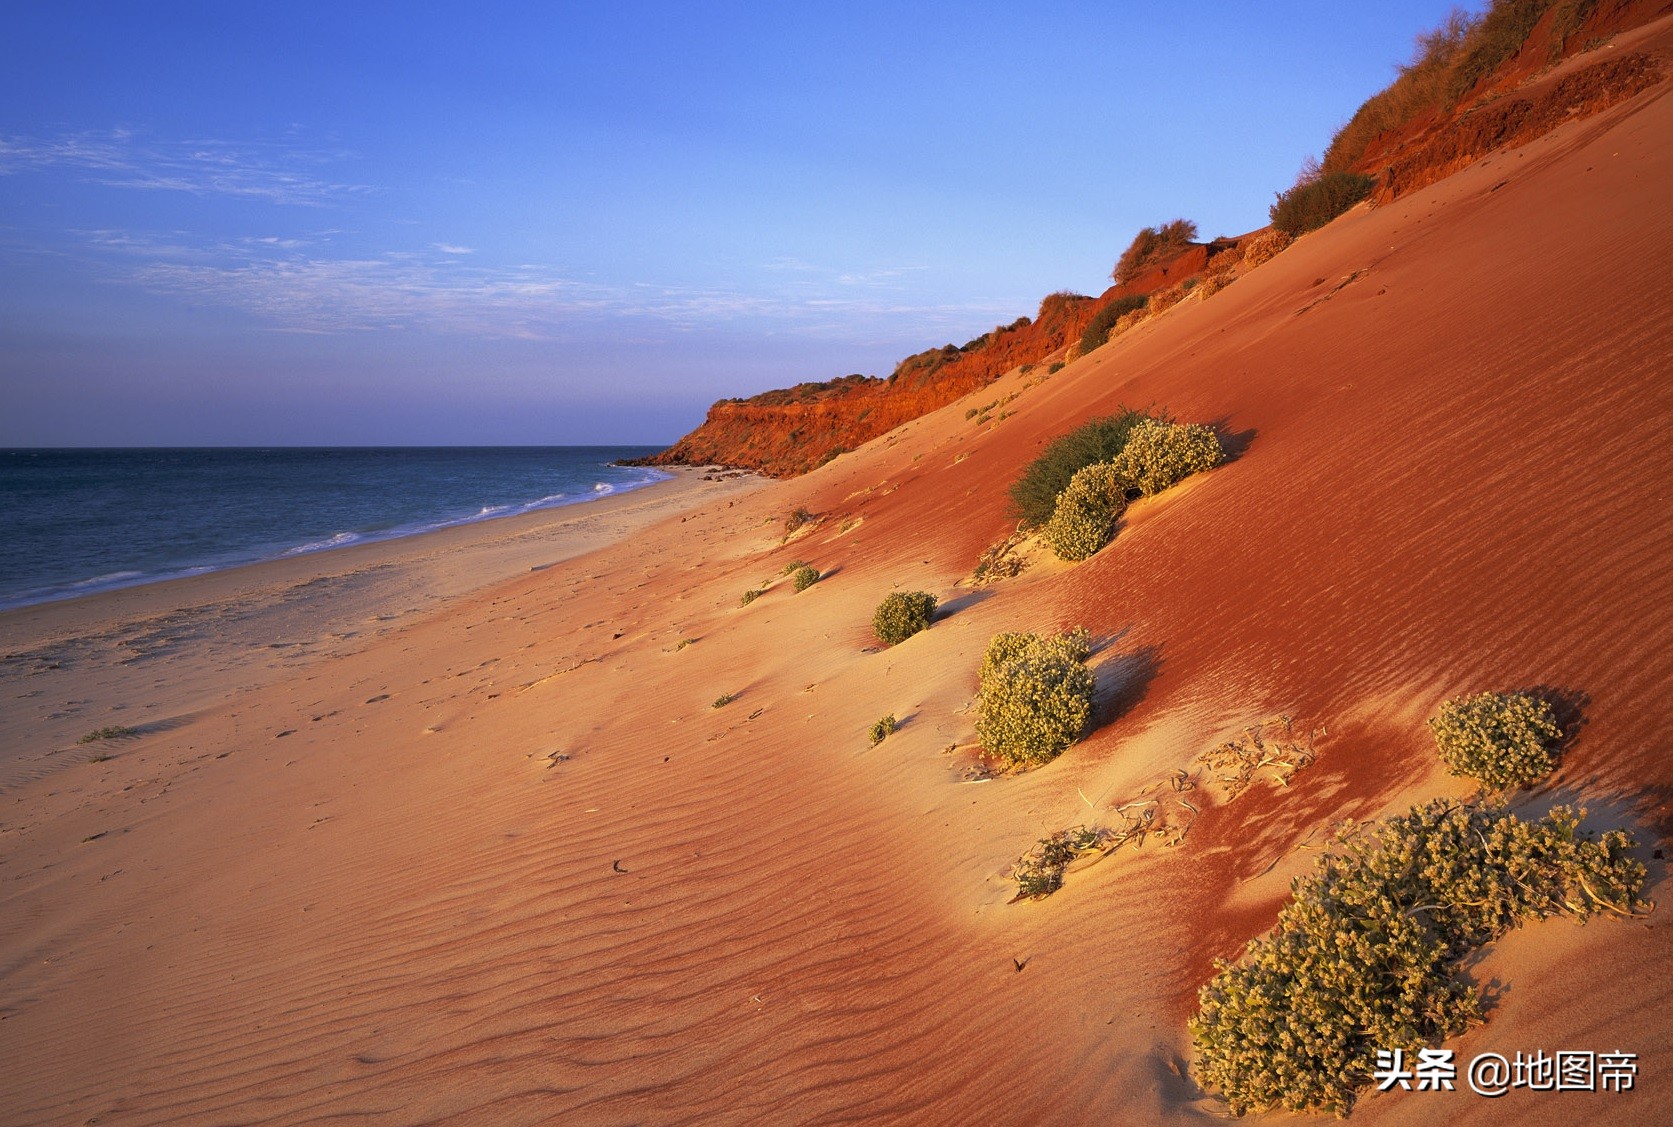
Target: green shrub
<point>1363,955</point>
<point>797,519</point>
<point>1098,329</point>
<point>1036,696</point>
<point>1056,367</point>
<point>883,729</point>
<point>902,614</point>
<point>804,577</point>
<point>750,597</point>
<point>1159,454</point>
<point>1034,494</point>
<point>1313,203</point>
<point>723,700</point>
<point>1150,246</point>
<point>1502,740</point>
<point>792,566</point>
<point>1086,512</point>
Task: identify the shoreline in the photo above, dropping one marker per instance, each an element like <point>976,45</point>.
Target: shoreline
<point>144,655</point>
<point>241,551</point>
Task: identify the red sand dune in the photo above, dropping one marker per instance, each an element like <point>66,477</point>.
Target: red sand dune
<point>357,890</point>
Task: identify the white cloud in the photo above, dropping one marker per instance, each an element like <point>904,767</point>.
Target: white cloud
<point>302,283</point>
<point>450,248</point>
<point>121,158</point>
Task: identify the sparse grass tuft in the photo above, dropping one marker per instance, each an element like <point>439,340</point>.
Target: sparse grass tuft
<point>883,729</point>
<point>114,732</point>
<point>1039,872</point>
<point>1502,740</point>
<point>902,614</point>
<point>799,518</point>
<point>792,566</point>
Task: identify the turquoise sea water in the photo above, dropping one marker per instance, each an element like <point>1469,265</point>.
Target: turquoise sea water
<point>77,521</point>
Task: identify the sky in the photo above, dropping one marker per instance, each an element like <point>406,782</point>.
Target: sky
<point>578,223</point>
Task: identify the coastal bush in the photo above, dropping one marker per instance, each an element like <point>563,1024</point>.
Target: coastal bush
<point>1036,696</point>
<point>1150,246</point>
<point>1098,329</point>
<point>1034,494</point>
<point>1313,203</point>
<point>1086,512</point>
<point>750,597</point>
<point>1502,740</point>
<point>1364,954</point>
<point>902,614</point>
<point>804,577</point>
<point>792,566</point>
<point>1159,454</point>
<point>1057,366</point>
<point>724,699</point>
<point>797,519</point>
<point>883,729</point>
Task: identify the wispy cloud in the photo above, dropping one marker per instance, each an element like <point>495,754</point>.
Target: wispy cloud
<point>280,174</point>
<point>306,283</point>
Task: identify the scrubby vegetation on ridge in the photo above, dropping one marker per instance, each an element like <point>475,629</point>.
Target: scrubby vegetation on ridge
<point>804,577</point>
<point>1502,740</point>
<point>1150,246</point>
<point>1036,695</point>
<point>883,729</point>
<point>902,614</point>
<point>1313,203</point>
<point>1363,956</point>
<point>1098,329</point>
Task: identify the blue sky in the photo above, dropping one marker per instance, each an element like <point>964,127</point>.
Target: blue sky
<point>229,224</point>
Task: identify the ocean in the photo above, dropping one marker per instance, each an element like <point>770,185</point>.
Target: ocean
<point>78,521</point>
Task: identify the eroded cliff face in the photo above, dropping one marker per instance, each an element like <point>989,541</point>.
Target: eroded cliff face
<point>790,431</point>
<point>1577,60</point>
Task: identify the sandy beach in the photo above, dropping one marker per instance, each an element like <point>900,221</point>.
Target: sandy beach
<point>532,822</point>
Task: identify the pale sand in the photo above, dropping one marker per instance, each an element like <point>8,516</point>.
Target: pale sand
<point>352,882</point>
